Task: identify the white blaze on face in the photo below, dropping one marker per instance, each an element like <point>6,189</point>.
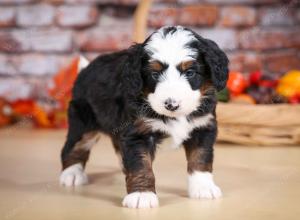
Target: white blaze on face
<point>172,50</point>
<point>176,87</point>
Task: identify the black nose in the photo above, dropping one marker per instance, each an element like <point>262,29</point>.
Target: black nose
<point>171,105</point>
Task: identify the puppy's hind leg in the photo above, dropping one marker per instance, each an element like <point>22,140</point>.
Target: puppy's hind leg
<point>75,153</point>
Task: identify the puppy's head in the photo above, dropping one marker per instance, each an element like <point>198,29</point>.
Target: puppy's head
<point>176,64</point>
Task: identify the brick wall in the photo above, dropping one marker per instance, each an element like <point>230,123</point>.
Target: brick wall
<point>39,37</point>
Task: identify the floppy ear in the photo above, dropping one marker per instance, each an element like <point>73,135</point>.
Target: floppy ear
<point>216,62</point>
<point>131,76</point>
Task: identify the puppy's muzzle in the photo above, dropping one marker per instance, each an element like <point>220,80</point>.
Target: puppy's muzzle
<point>171,105</point>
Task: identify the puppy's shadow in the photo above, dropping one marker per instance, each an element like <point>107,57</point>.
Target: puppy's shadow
<point>172,190</point>
<point>103,177</point>
<point>99,180</point>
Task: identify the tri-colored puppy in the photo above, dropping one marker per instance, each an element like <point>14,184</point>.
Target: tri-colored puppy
<point>165,86</point>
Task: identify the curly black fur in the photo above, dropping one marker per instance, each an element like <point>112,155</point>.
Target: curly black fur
<point>109,96</point>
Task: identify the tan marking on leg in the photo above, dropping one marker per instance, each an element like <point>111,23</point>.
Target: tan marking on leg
<point>142,180</point>
<point>76,156</point>
<point>196,161</point>
<point>87,141</point>
<point>81,151</point>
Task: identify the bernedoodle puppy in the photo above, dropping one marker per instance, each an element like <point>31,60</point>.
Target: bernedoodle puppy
<point>163,87</point>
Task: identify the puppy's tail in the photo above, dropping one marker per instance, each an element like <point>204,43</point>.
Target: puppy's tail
<point>83,63</point>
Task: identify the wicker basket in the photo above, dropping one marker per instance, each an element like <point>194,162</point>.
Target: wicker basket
<point>259,124</point>
<point>242,124</point>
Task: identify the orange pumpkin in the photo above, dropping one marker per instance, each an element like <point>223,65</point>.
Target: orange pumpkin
<point>236,83</point>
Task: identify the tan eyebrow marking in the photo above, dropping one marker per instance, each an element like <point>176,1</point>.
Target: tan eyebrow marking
<point>156,66</point>
<point>186,65</point>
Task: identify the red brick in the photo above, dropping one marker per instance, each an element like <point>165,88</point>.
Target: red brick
<point>7,17</point>
<point>108,20</point>
<point>91,1</point>
<point>35,15</point>
<point>281,16</point>
<point>281,62</point>
<point>128,2</point>
<point>259,39</point>
<point>10,2</point>
<point>198,15</point>
<point>118,11</point>
<point>165,1</point>
<point>104,39</point>
<point>77,16</point>
<point>224,2</point>
<point>32,64</point>
<point>55,2</point>
<point>7,65</point>
<point>225,38</point>
<point>41,64</point>
<point>8,43</point>
<point>103,2</point>
<point>238,16</point>
<point>245,62</point>
<point>162,15</point>
<point>51,40</point>
<point>294,38</point>
<point>116,2</point>
<point>48,40</point>
<point>14,88</point>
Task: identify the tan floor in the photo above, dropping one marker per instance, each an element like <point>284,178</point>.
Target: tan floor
<point>258,183</point>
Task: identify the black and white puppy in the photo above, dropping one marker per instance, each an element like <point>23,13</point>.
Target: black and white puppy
<point>165,86</point>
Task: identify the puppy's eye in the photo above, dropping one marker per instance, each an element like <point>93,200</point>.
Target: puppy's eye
<point>190,73</point>
<point>155,75</point>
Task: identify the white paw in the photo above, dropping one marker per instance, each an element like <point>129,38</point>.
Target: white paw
<point>141,200</point>
<point>73,176</point>
<point>202,186</point>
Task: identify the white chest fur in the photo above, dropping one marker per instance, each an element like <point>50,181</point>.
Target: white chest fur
<point>180,128</point>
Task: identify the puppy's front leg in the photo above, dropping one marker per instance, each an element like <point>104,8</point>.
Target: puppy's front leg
<point>137,155</point>
<point>199,153</point>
